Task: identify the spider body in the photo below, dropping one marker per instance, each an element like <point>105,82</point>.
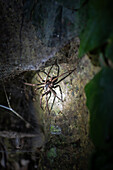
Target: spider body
<point>49,85</point>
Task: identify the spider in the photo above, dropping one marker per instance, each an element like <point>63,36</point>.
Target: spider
<point>49,85</point>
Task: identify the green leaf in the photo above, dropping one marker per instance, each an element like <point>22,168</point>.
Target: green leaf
<point>99,25</point>
<point>99,92</point>
<point>52,153</point>
<point>109,49</point>
<point>101,160</point>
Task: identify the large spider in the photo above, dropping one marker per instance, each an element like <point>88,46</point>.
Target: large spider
<point>49,85</point>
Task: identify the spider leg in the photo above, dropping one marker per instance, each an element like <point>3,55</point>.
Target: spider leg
<point>56,95</point>
<point>60,91</point>
<point>38,80</point>
<point>39,88</point>
<point>48,73</point>
<point>40,77</point>
<point>45,73</point>
<point>60,76</point>
<point>58,69</point>
<point>64,76</point>
<point>49,96</point>
<point>30,84</point>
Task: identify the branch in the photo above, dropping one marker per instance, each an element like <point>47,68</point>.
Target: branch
<point>12,110</point>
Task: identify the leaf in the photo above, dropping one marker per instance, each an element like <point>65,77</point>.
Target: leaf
<point>101,160</point>
<point>99,26</point>
<point>109,49</point>
<point>51,154</point>
<point>99,92</point>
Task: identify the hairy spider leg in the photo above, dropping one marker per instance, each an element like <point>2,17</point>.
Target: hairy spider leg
<point>30,84</point>
<point>48,73</point>
<point>39,88</point>
<point>60,91</point>
<point>53,91</point>
<point>58,69</point>
<point>59,76</point>
<point>41,78</point>
<point>49,96</point>
<point>52,102</point>
<point>41,99</point>
<point>47,100</point>
<point>44,73</point>
<point>38,80</point>
<point>41,85</point>
<point>71,71</point>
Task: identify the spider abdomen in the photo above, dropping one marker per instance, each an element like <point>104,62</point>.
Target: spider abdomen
<point>48,85</point>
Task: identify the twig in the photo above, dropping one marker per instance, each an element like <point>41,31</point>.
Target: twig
<point>12,110</point>
<point>6,96</point>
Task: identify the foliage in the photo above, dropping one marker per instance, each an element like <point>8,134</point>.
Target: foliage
<point>97,36</point>
<point>99,101</point>
<point>99,26</point>
<point>51,154</point>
